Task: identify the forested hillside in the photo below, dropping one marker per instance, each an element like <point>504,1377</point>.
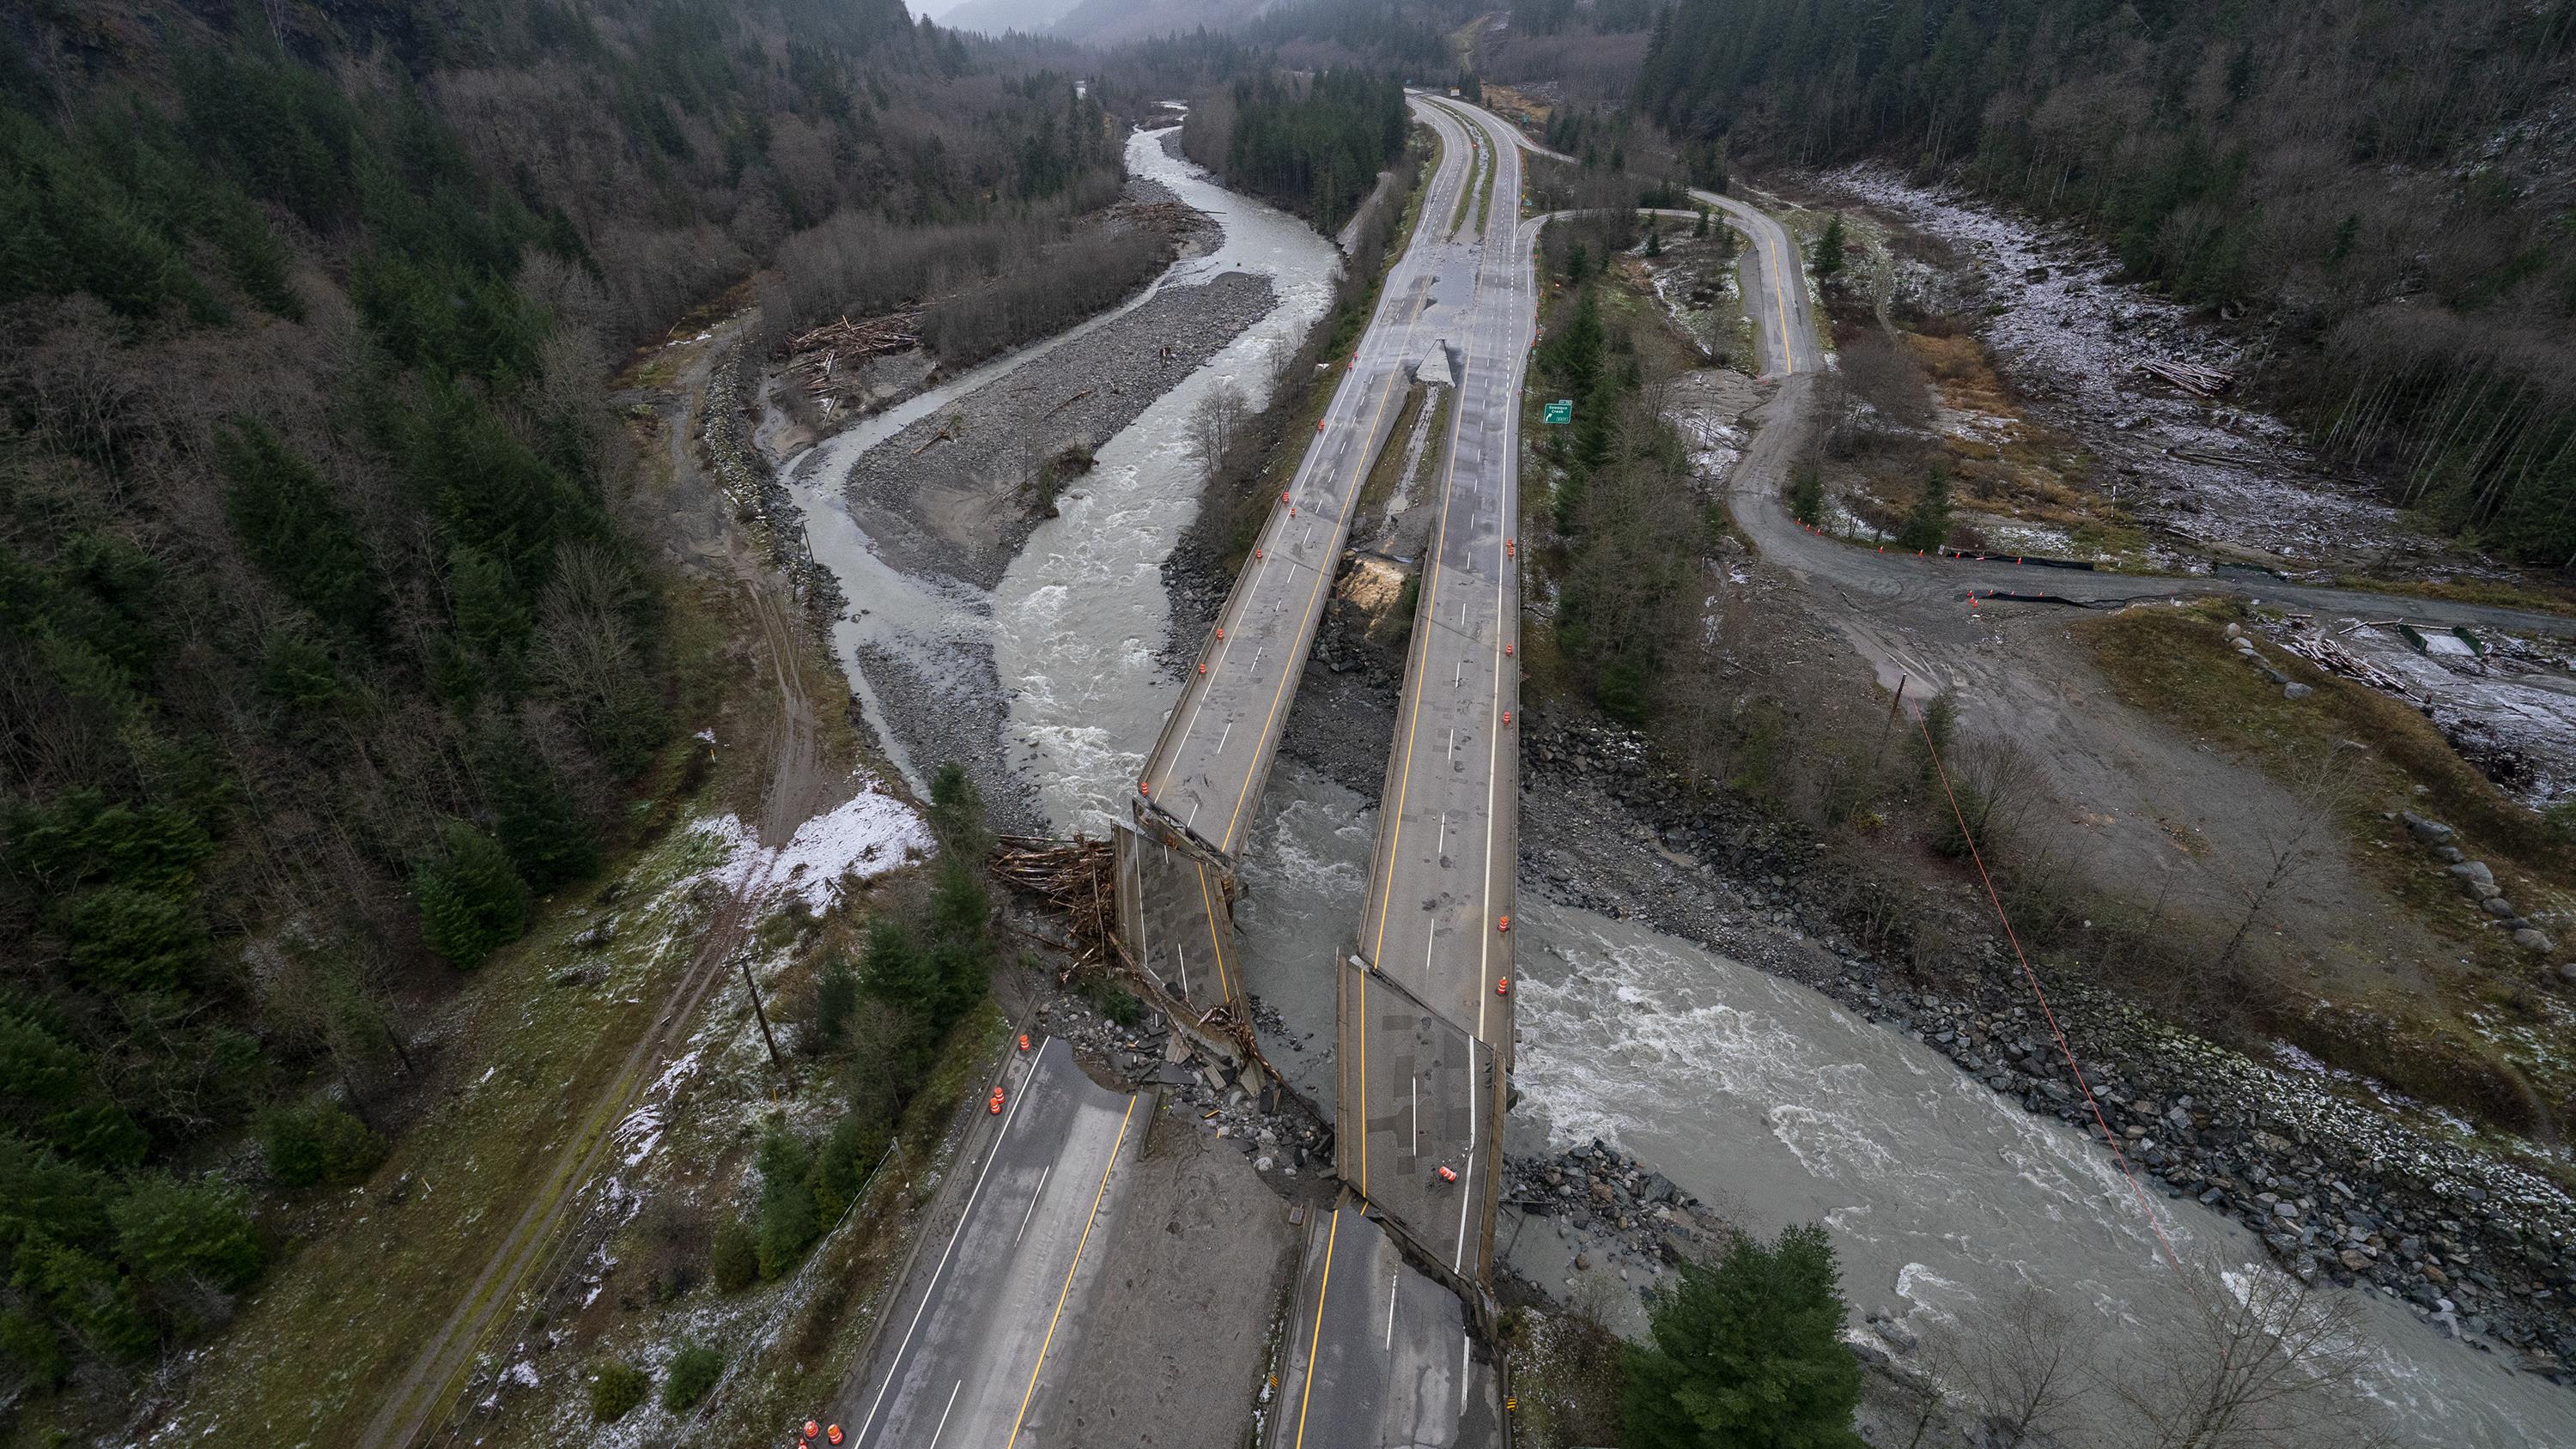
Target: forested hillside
<point>1313,144</point>
<point>2386,181</point>
<point>326,640</point>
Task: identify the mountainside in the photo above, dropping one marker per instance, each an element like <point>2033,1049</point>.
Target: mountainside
<point>329,635</point>
<point>2386,182</point>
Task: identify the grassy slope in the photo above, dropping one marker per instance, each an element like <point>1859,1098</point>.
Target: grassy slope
<point>2468,1042</point>
<point>519,1058</point>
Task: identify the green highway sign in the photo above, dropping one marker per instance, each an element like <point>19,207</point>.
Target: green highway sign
<point>1560,411</point>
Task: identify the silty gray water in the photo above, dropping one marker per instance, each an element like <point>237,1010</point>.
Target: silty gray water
<point>1082,611</point>
<point>1072,628</point>
<point>1746,1090</point>
<point>1769,1101</point>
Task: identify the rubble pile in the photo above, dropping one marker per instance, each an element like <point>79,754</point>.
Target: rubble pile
<point>1614,1212</point>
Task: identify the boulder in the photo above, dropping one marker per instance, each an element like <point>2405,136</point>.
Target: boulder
<point>2475,872</point>
<point>2431,832</point>
<point>2295,690</point>
<point>2532,938</point>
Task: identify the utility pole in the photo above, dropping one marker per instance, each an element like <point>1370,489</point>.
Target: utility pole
<point>754,988</point>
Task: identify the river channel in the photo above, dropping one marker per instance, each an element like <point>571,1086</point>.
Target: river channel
<point>1072,629</point>
<point>1758,1095</point>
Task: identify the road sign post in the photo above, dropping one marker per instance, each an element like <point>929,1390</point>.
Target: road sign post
<point>1560,411</point>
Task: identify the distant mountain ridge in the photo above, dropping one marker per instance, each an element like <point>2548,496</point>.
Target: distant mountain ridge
<point>1101,22</point>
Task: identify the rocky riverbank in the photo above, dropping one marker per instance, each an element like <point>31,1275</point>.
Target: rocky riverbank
<point>2474,1244</point>
<point>958,492</point>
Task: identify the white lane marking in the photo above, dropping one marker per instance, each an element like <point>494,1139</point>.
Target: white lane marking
<point>931,1294</point>
<point>1033,1203</point>
<point>1467,1193</point>
<point>1463,1342</point>
<point>944,1413</point>
<point>1453,744</point>
<point>1393,1281</point>
<point>1194,814</point>
<point>1414,1149</point>
<point>1461,676</point>
<point>1443,842</point>
<point>1229,724</point>
<point>1185,971</point>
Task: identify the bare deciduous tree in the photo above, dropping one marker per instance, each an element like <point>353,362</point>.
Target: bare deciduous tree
<point>2023,1366</point>
<point>2291,845</point>
<point>1215,422</point>
<point>2269,1361</point>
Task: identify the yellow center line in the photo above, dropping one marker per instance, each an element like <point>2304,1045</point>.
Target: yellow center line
<point>1307,1392</point>
<point>1207,903</point>
<point>1049,1340</point>
<point>1363,1113</point>
<point>1358,472</point>
<point>1413,719</point>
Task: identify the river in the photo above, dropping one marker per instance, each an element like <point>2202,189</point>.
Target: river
<point>1758,1095</point>
<point>1769,1101</point>
<point>1073,626</point>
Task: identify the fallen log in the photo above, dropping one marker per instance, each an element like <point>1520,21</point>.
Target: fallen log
<point>2190,376</point>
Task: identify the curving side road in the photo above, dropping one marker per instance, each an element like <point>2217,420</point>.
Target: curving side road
<point>1879,588</point>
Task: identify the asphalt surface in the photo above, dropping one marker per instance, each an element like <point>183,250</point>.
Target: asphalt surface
<point>1772,273</point>
<point>1176,916</point>
<point>1206,771</point>
<point>1378,1355</point>
<point>1425,1036</point>
<point>974,1346</point>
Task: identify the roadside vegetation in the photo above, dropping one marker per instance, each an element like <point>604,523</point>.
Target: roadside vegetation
<point>1618,528</point>
<point>2432,1037</point>
<point>337,656</point>
<point>2404,162</point>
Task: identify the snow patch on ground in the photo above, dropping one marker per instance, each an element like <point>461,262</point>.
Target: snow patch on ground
<point>866,836</point>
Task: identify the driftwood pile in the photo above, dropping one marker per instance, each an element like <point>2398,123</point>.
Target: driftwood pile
<point>2190,376</point>
<point>2322,651</point>
<point>818,352</point>
<point>1168,217</point>
<point>1078,877</point>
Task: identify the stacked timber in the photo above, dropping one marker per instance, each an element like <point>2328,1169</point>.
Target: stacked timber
<point>2190,376</point>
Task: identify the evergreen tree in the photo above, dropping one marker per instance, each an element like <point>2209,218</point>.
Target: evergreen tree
<point>1578,354</point>
<point>1807,497</point>
<point>734,1257</point>
<point>1747,1353</point>
<point>1927,523</point>
<point>534,816</point>
<point>1829,249</point>
<point>788,1217</point>
<point>170,1231</point>
<point>471,901</point>
<point>291,524</point>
